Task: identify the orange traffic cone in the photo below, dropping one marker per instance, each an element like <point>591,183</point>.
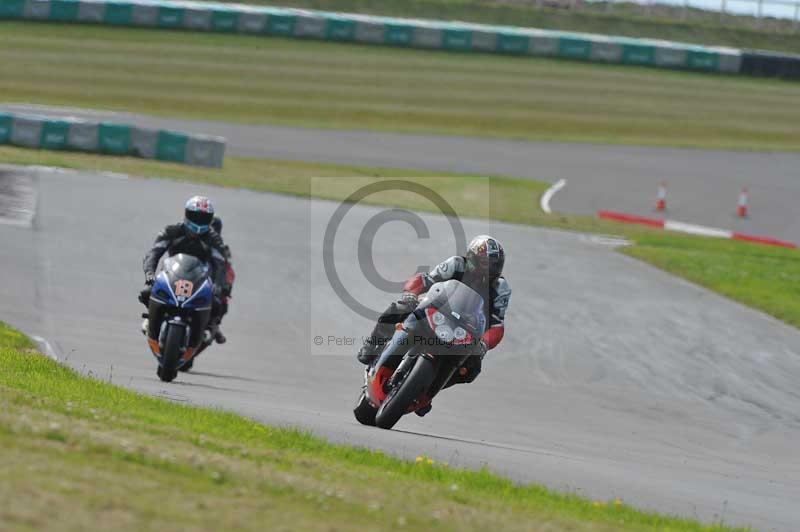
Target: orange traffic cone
<point>661,202</point>
<point>742,208</point>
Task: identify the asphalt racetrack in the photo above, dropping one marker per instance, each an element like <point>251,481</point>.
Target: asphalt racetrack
<point>703,185</point>
<point>614,380</point>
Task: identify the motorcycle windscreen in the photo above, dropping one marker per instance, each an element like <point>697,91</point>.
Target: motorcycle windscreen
<point>457,301</point>
<point>187,267</point>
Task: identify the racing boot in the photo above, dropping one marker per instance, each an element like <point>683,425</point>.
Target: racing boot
<point>217,333</point>
<point>424,410</point>
<point>368,352</point>
<point>374,344</point>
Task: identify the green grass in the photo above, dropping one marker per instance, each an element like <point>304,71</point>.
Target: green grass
<point>762,277</point>
<point>702,27</point>
<point>265,80</point>
<point>77,454</point>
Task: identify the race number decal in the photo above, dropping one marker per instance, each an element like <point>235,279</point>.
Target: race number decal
<point>183,288</point>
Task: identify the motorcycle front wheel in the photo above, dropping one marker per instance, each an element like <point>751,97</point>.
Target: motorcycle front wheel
<point>397,401</point>
<point>171,353</point>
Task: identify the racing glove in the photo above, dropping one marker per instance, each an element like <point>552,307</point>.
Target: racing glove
<point>410,299</point>
<point>149,278</point>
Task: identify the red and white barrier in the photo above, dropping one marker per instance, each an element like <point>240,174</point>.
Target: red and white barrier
<point>671,225</point>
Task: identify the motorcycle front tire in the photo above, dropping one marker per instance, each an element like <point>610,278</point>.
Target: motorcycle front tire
<point>171,353</point>
<point>396,404</point>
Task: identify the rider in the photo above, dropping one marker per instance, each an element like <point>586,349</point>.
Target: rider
<point>194,236</point>
<point>481,270</point>
<point>230,275</point>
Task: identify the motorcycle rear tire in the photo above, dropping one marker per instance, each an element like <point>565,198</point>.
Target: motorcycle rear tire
<point>396,404</point>
<point>171,354</point>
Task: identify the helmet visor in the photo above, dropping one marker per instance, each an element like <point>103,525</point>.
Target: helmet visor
<point>483,266</point>
<point>197,221</point>
<point>479,265</point>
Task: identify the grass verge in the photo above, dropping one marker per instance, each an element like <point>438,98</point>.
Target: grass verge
<point>762,277</point>
<point>77,454</point>
<point>251,79</point>
<point>766,278</point>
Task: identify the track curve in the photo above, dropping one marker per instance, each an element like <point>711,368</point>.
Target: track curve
<point>703,185</point>
<point>614,380</point>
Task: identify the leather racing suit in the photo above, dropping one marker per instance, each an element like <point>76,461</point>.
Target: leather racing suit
<point>496,295</point>
<point>208,247</point>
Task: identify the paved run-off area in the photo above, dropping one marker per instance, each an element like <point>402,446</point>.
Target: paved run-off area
<point>615,379</point>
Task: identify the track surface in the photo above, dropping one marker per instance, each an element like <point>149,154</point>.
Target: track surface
<point>703,184</point>
<point>615,379</point>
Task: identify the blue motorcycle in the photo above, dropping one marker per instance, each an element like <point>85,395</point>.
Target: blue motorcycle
<point>178,314</point>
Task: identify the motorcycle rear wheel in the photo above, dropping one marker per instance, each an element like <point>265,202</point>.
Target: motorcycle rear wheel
<point>396,404</point>
<point>171,354</point>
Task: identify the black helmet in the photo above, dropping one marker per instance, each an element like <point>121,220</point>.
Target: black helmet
<point>198,214</point>
<point>485,257</point>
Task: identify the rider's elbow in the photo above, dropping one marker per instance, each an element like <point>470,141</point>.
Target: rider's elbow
<point>494,335</point>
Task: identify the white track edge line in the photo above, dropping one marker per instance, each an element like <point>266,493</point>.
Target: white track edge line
<point>47,348</point>
<point>549,193</point>
<point>671,225</point>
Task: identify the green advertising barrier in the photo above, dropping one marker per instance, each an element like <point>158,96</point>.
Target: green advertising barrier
<point>607,51</point>
<point>310,27</point>
<point>340,29</point>
<point>573,48</point>
<point>119,14</point>
<point>91,12</point>
<point>459,40</point>
<point>64,10</point>
<point>114,139</point>
<point>281,25</point>
<point>54,135</point>
<point>12,9</point>
<point>170,16</point>
<point>224,20</point>
<point>398,35</point>
<point>702,60</point>
<point>638,54</point>
<point>511,43</point>
<point>171,146</point>
<point>68,133</point>
<point>456,36</point>
<point>6,125</point>
<point>82,136</point>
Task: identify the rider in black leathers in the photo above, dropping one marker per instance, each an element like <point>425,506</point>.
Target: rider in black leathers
<point>194,236</point>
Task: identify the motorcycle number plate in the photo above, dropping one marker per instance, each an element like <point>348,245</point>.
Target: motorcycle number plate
<point>183,288</point>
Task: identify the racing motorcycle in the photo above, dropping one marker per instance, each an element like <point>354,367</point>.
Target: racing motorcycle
<point>424,353</point>
<point>179,310</point>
